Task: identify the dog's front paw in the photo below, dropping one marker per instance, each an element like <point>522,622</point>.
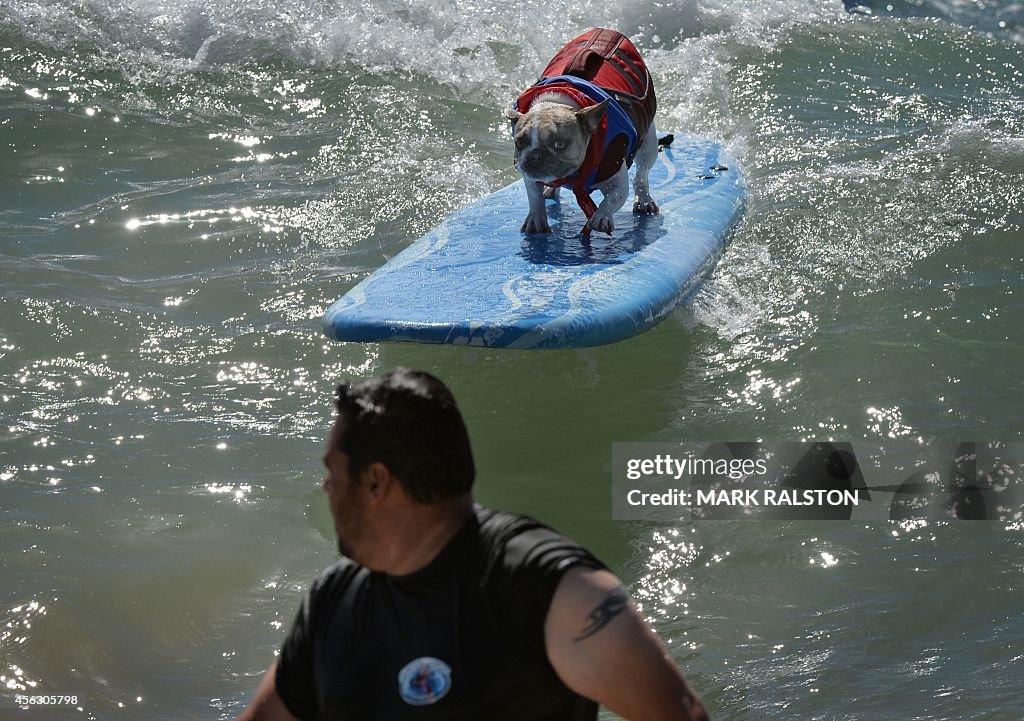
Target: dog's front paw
<point>601,223</point>
<point>645,207</point>
<point>535,223</point>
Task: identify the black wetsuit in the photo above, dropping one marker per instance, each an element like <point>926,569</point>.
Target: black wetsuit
<point>462,639</point>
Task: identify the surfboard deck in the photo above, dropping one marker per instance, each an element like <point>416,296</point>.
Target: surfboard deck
<point>476,280</point>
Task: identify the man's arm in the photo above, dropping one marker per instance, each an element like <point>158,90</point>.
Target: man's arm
<point>266,704</point>
<point>603,650</point>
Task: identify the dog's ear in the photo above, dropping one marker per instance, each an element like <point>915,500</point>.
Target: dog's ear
<point>590,118</point>
<point>513,114</point>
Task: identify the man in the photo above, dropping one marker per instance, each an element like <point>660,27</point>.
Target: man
<point>440,609</point>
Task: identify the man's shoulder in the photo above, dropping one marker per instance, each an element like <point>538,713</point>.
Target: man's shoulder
<point>505,524</point>
<point>506,532</point>
<point>514,543</point>
<point>335,579</point>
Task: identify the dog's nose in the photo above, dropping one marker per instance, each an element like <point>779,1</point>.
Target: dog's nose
<point>535,154</point>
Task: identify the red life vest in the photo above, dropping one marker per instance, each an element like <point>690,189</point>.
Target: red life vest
<point>598,65</point>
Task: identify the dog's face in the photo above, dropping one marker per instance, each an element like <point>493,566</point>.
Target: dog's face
<point>551,139</point>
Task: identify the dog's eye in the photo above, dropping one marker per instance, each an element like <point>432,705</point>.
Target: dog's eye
<point>522,141</point>
<point>559,145</point>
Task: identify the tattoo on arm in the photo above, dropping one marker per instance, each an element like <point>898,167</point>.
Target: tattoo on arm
<point>612,605</point>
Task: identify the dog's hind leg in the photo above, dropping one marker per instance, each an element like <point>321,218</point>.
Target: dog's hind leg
<point>645,158</point>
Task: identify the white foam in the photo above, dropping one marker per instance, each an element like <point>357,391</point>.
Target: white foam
<point>494,48</point>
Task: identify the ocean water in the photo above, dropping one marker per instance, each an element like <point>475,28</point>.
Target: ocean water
<point>185,187</point>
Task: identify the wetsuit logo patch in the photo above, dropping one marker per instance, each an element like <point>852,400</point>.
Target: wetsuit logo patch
<point>424,681</point>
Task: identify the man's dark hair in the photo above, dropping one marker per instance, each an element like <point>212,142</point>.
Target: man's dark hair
<point>407,420</point>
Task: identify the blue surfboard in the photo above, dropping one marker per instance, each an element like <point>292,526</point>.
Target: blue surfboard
<point>477,280</point>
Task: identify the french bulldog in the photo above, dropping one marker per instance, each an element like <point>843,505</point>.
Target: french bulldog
<point>585,121</point>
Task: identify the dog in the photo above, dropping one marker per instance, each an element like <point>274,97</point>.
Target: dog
<point>582,125</point>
